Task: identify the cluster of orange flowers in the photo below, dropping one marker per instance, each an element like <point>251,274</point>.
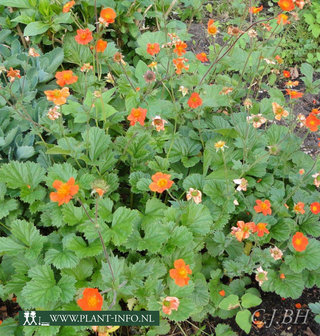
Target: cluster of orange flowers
<point>243,230</point>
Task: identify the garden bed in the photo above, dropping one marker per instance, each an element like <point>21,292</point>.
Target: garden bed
<point>160,155</point>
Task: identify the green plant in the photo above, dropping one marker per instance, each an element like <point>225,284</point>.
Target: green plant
<point>156,179</point>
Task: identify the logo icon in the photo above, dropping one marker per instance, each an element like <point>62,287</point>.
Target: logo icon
<point>32,315</point>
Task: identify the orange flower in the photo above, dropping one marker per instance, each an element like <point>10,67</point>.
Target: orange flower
<point>65,191</point>
<point>300,241</point>
<point>315,111</point>
<point>294,94</point>
<point>255,10</point>
<point>101,46</point>
<point>179,64</point>
<point>66,8</point>
<point>32,52</point>
<point>59,97</point>
<point>242,230</point>
<point>84,36</point>
<point>169,304</point>
<point>282,276</point>
<point>180,273</point>
<point>315,207</point>
<point>299,208</point>
<point>282,19</point>
<point>65,77</point>
<point>279,111</point>
<point>13,74</point>
<point>263,206</point>
<point>86,67</point>
<point>291,83</point>
<point>180,48</point>
<point>266,26</point>
<point>118,58</point>
<point>137,115</point>
<point>286,5</point>
<point>222,292</point>
<point>300,3</point>
<point>212,28</point>
<point>153,48</point>
<point>91,299</point>
<point>261,229</point>
<point>312,122</point>
<point>298,305</point>
<point>161,182</point>
<point>194,100</point>
<point>279,59</point>
<point>202,57</point>
<point>286,74</point>
<point>158,123</point>
<point>107,16</point>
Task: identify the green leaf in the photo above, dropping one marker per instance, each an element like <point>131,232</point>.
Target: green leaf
<point>315,307</point>
<point>155,235</point>
<point>243,319</point>
<point>68,289</point>
<point>197,218</point>
<point>122,222</point>
<point>81,249</point>
<point>162,329</point>
<point>16,3</point>
<point>212,98</point>
<point>82,271</point>
<point>50,62</point>
<point>292,286</point>
<point>61,259</point>
<point>186,308</point>
<point>27,239</point>
<point>118,267</point>
<point>99,142</point>
<point>61,172</point>
<point>7,206</point>
<point>42,290</point>
<point>249,300</point>
<point>281,230</point>
<point>154,211</point>
<point>74,52</point>
<point>21,174</point>
<point>307,70</point>
<point>36,28</point>
<point>73,215</point>
<point>224,330</point>
<point>230,302</point>
<point>25,152</point>
<point>308,259</point>
<point>201,292</point>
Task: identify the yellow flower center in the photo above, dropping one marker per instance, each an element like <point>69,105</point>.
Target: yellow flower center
<point>162,182</point>
<point>136,113</point>
<point>298,241</point>
<point>64,189</point>
<point>92,301</point>
<point>183,272</point>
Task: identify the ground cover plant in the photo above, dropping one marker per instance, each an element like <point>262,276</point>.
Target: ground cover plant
<point>138,175</point>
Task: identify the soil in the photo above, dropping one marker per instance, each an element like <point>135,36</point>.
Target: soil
<point>281,325</point>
